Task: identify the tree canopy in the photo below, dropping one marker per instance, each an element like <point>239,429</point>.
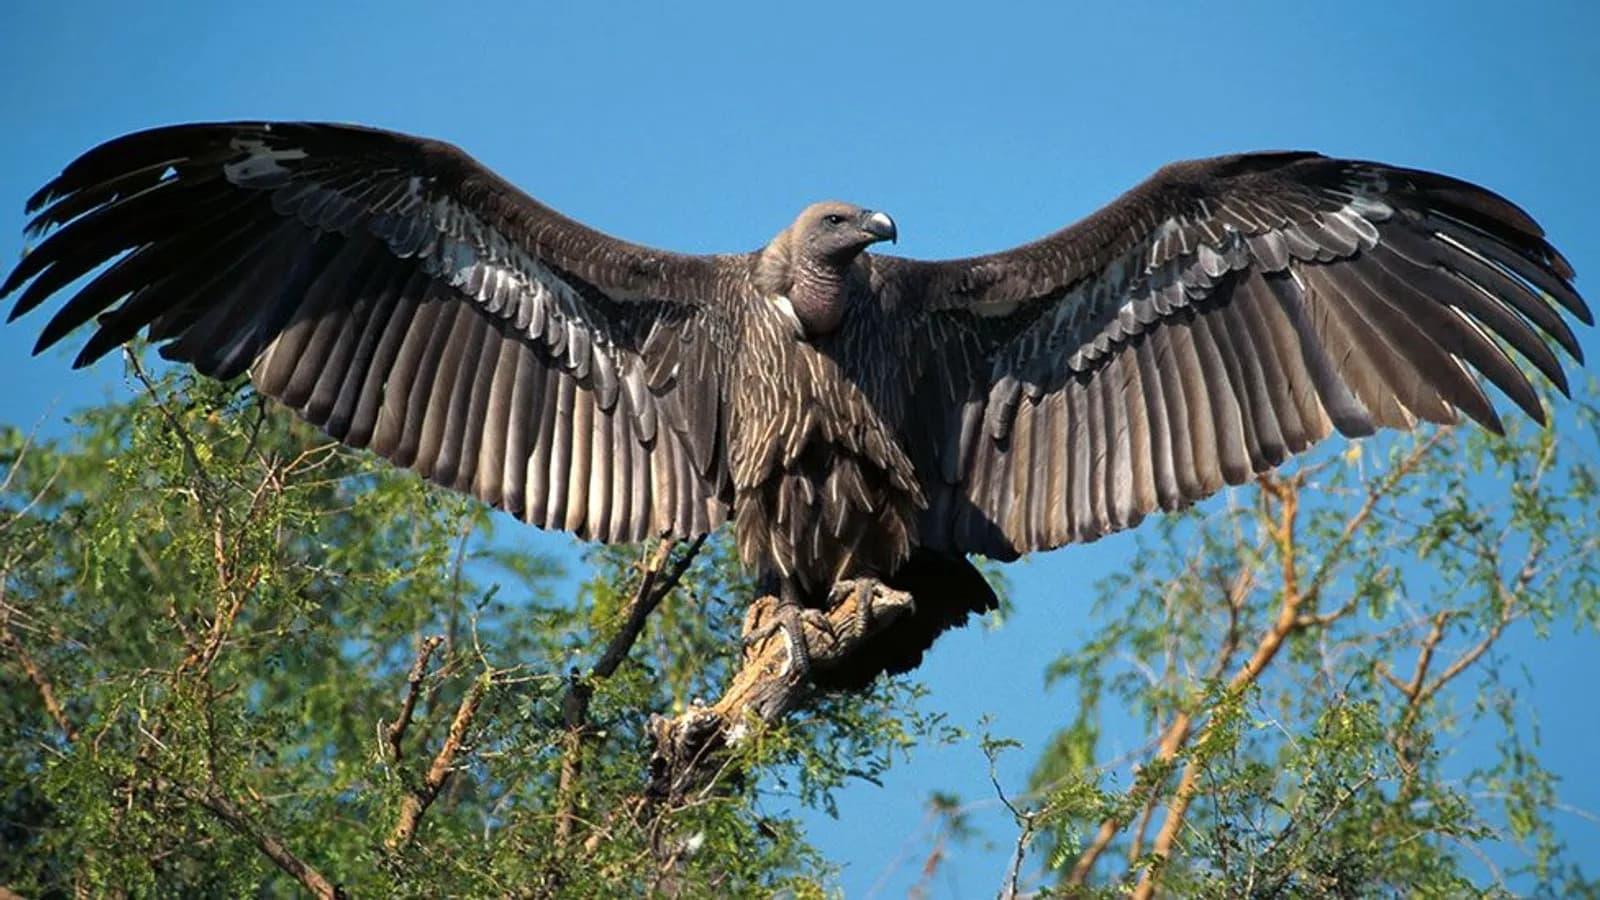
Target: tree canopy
<point>240,660</point>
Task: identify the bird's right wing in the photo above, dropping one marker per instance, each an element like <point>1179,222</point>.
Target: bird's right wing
<point>400,296</point>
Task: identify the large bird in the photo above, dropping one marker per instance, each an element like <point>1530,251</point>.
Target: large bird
<point>855,415</point>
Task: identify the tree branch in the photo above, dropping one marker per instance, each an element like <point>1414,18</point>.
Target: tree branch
<point>36,675</point>
<point>396,732</point>
<point>1418,690</point>
<point>1510,608</point>
<point>645,600</point>
<point>1172,741</point>
<point>418,800</point>
<point>269,844</point>
<point>1287,493</point>
<point>1299,594</point>
<point>652,589</point>
<point>688,757</point>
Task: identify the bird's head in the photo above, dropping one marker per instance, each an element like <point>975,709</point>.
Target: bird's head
<point>810,267</point>
<point>836,232</point>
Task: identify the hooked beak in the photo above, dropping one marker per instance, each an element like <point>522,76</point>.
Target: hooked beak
<point>880,226</point>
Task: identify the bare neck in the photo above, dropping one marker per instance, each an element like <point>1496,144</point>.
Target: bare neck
<point>818,290</point>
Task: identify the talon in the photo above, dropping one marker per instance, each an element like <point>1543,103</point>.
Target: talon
<point>876,607</point>
<point>787,618</point>
<point>864,604</point>
<point>791,623</point>
<point>876,604</point>
<point>752,639</point>
<point>795,645</point>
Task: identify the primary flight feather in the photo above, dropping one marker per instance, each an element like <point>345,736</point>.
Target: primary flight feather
<point>853,414</point>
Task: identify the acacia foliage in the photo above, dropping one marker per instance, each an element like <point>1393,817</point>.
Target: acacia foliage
<point>239,660</point>
<point>1327,669</point>
<point>214,619</point>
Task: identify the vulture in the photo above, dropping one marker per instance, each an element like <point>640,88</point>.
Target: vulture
<point>854,416</point>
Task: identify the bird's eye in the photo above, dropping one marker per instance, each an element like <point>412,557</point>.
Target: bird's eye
<point>834,219</point>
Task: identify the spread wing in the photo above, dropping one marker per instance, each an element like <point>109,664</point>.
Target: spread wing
<point>402,297</point>
<point>1215,320</point>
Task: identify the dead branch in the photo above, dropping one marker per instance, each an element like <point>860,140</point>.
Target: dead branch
<point>419,799</point>
<point>269,844</point>
<point>689,754</point>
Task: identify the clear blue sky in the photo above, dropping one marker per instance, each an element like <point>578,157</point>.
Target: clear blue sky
<point>707,128</point>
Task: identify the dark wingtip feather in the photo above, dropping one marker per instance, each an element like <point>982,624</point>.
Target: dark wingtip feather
<point>103,341</point>
<point>1477,409</point>
<point>51,192</point>
<point>1559,263</point>
<point>1575,304</point>
<point>84,359</point>
<point>37,292</point>
<point>1475,200</point>
<point>1482,208</point>
<point>12,282</point>
<point>1527,399</point>
<point>1493,424</point>
<point>30,265</point>
<point>1567,297</point>
<point>57,328</point>
<point>1560,381</point>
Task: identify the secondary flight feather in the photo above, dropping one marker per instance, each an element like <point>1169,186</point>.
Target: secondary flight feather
<point>855,415</point>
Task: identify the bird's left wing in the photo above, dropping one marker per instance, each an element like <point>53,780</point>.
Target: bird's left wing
<point>1208,324</point>
<point>402,297</point>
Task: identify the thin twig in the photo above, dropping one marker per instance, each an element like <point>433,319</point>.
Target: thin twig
<point>396,732</point>
<point>178,431</point>
<point>1028,821</point>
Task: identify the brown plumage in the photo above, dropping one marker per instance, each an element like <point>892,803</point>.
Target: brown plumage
<point>853,414</point>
